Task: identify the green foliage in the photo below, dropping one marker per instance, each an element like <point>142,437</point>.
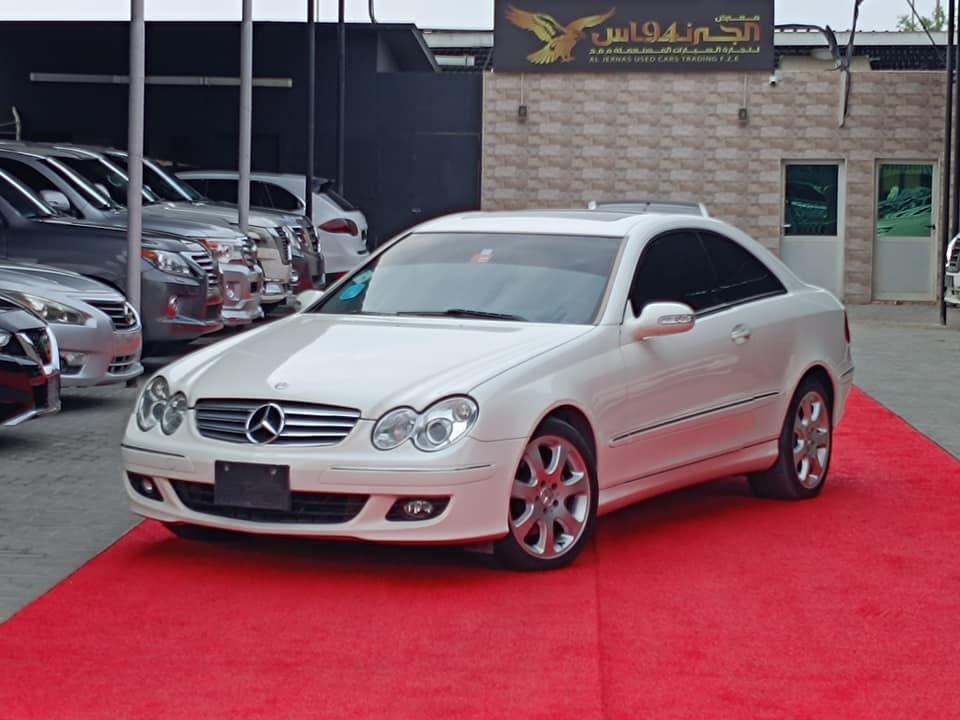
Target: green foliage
<point>935,23</point>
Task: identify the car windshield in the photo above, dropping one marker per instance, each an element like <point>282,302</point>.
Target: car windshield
<point>23,200</point>
<point>497,276</point>
<point>108,178</point>
<point>167,186</point>
<point>97,197</point>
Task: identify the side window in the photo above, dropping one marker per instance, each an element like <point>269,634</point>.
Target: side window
<point>222,190</point>
<point>741,276</point>
<point>284,199</point>
<point>198,184</point>
<point>260,195</point>
<point>674,267</point>
<point>32,178</point>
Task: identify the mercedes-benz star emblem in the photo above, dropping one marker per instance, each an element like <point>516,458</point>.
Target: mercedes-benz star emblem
<point>265,424</point>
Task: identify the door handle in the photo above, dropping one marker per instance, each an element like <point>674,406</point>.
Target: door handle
<point>740,334</point>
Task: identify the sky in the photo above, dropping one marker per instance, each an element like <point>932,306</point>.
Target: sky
<point>428,14</point>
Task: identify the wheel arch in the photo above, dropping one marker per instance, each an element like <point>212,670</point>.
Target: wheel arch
<point>578,420</point>
<point>821,373</point>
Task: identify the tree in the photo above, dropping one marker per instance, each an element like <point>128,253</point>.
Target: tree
<point>935,23</point>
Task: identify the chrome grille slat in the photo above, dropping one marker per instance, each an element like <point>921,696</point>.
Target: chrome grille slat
<point>954,265</point>
<point>117,312</point>
<point>206,263</point>
<point>305,424</point>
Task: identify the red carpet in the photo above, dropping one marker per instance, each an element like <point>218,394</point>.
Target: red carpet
<point>702,604</point>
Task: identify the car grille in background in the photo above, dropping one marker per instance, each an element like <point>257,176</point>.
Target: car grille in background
<point>305,424</point>
<point>121,364</point>
<point>249,253</point>
<point>38,342</point>
<point>284,244</point>
<point>314,238</point>
<point>301,236</point>
<point>305,508</point>
<point>954,265</point>
<point>120,313</point>
<point>205,261</point>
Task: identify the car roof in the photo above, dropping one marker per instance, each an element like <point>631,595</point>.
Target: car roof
<point>596,223</point>
<point>653,205</point>
<point>37,150</point>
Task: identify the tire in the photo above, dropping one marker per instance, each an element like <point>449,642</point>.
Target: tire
<point>198,532</point>
<point>806,446</point>
<point>552,508</point>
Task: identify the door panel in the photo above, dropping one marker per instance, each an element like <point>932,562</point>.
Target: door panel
<point>905,254</point>
<point>812,241</point>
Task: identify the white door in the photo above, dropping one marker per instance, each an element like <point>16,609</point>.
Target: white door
<point>813,213</point>
<point>905,253</point>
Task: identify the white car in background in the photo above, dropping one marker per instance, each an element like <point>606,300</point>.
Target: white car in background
<point>98,332</point>
<point>503,378</point>
<point>952,295</point>
<point>341,227</point>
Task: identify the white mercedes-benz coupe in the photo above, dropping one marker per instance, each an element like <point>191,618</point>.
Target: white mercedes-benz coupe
<point>500,380</point>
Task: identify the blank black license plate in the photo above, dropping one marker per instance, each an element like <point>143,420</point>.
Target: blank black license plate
<point>245,485</point>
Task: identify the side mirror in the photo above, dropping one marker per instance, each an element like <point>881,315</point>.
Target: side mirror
<point>56,200</point>
<point>103,189</point>
<point>308,298</point>
<point>661,318</point>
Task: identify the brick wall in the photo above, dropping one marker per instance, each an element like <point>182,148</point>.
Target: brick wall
<point>678,136</point>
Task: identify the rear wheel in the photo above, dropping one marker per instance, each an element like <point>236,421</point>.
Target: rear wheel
<point>553,501</point>
<point>806,443</point>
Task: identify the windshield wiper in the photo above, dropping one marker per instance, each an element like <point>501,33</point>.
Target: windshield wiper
<point>460,312</point>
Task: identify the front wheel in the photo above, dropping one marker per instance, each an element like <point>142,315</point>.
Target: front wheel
<point>806,443</point>
<point>553,501</point>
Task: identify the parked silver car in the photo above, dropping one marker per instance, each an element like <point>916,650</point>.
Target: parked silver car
<point>98,332</point>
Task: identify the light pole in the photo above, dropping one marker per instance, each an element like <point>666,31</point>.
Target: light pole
<point>311,104</point>
<point>135,150</point>
<point>246,113</point>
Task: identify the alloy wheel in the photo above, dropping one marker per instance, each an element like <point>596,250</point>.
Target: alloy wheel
<point>811,440</point>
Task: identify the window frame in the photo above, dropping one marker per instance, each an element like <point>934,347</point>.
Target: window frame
<point>703,235</point>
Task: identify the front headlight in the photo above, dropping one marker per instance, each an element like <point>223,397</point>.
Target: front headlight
<point>51,310</point>
<point>439,427</point>
<point>168,262</point>
<point>223,252</point>
<point>173,413</point>
<point>4,338</point>
<point>152,402</point>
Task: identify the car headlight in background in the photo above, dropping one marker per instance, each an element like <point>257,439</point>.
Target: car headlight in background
<point>4,338</point>
<point>439,427</point>
<point>168,262</point>
<point>51,310</point>
<point>152,401</point>
<point>223,252</point>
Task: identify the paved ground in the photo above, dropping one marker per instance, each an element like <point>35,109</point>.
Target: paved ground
<point>61,500</point>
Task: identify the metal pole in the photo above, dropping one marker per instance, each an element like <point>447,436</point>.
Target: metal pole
<point>946,195</point>
<point>955,177</point>
<point>311,104</point>
<point>341,92</point>
<point>135,150</point>
<point>246,113</point>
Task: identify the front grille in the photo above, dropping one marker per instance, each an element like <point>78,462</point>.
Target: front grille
<point>305,507</point>
<point>120,313</point>
<point>954,265</point>
<point>249,253</point>
<point>285,255</point>
<point>314,238</point>
<point>37,343</point>
<point>209,267</point>
<point>121,364</point>
<point>254,287</point>
<point>301,236</point>
<point>304,424</point>
<point>41,397</point>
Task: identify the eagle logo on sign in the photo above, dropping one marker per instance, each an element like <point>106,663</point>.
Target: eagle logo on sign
<point>560,39</point>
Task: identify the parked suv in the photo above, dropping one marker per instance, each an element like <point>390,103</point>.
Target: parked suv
<point>340,226</point>
<point>79,185</point>
<point>174,305</point>
<point>29,366</point>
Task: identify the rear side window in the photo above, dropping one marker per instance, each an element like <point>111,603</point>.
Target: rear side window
<point>741,276</point>
<point>259,194</point>
<point>283,199</point>
<point>222,190</point>
<point>674,268</point>
<point>339,200</point>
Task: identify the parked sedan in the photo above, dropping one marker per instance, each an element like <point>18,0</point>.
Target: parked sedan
<point>97,330</point>
<point>503,377</point>
<point>29,366</point>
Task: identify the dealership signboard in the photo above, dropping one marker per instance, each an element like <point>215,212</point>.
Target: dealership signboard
<point>633,35</point>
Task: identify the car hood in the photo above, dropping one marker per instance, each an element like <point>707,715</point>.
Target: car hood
<point>372,364</point>
<point>152,239</point>
<point>160,218</point>
<point>216,211</point>
<point>53,283</point>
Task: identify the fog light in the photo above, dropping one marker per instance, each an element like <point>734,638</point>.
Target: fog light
<point>144,485</point>
<point>173,307</point>
<point>71,363</point>
<point>416,509</point>
<point>232,291</point>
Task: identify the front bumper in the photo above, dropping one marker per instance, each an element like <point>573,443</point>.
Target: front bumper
<point>102,355</point>
<point>952,294</point>
<point>242,292</point>
<point>474,476</point>
<point>28,389</point>
<point>192,316</point>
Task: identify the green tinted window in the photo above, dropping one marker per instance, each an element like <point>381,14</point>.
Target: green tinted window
<point>905,200</point>
<point>811,200</point>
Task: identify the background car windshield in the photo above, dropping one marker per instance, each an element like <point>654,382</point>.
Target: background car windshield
<point>21,199</point>
<point>539,278</point>
<point>167,186</point>
<point>80,184</point>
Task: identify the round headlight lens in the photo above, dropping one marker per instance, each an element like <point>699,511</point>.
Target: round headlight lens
<point>444,423</point>
<point>173,413</point>
<point>152,403</point>
<point>394,428</point>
